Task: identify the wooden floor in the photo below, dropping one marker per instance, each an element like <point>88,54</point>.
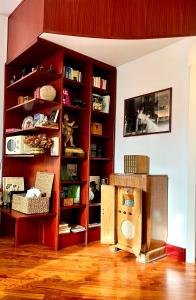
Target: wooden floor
<point>93,272</point>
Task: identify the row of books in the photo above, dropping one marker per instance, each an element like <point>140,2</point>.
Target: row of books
<point>99,82</point>
<point>72,74</point>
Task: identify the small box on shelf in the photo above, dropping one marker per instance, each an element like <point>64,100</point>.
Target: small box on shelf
<point>68,201</point>
<point>96,128</point>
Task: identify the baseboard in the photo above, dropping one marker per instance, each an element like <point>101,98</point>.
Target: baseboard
<point>176,252</point>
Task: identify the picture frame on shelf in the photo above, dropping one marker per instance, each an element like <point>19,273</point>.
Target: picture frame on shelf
<point>28,122</point>
<point>94,189</point>
<point>53,116</point>
<point>148,114</point>
<point>105,104</point>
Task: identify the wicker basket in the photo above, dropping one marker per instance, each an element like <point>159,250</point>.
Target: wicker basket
<point>39,205</point>
<point>29,205</point>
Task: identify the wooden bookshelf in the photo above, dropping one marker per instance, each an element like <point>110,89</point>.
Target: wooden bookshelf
<point>45,53</point>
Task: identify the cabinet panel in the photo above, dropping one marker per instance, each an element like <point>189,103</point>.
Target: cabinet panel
<point>107,214</point>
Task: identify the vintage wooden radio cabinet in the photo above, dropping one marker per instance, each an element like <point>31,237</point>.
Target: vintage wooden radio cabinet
<point>134,214</point>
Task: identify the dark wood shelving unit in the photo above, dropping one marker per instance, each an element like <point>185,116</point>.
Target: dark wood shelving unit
<point>46,229</point>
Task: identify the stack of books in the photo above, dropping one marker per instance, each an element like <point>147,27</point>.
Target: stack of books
<point>77,228</point>
<point>64,228</point>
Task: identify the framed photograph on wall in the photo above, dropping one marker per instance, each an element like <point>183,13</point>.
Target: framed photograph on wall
<point>148,114</point>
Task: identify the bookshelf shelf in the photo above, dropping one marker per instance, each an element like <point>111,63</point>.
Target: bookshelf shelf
<point>74,157</point>
<point>94,225</point>
<point>32,104</point>
<point>73,83</point>
<point>17,215</point>
<point>63,182</point>
<point>99,91</point>
<point>94,204</point>
<point>30,156</point>
<point>74,107</point>
<point>97,136</point>
<point>99,113</point>
<point>76,206</point>
<point>31,130</point>
<point>100,158</point>
<point>33,80</point>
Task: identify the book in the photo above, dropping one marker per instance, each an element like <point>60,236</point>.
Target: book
<point>77,228</point>
<point>54,115</point>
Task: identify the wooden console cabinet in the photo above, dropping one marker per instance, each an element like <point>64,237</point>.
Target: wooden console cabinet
<point>134,214</point>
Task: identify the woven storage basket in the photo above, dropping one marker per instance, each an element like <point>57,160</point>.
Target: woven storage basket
<point>29,205</point>
<point>39,205</point>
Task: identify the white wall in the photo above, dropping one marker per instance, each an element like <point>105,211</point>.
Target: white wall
<point>3,54</point>
<point>168,152</point>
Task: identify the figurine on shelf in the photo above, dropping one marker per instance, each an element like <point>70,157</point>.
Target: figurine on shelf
<point>67,128</point>
<point>51,69</point>
<point>24,72</point>
<point>66,98</point>
<point>41,68</point>
<point>13,79</point>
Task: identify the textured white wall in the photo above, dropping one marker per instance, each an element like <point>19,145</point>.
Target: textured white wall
<point>168,152</point>
<point>3,54</point>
